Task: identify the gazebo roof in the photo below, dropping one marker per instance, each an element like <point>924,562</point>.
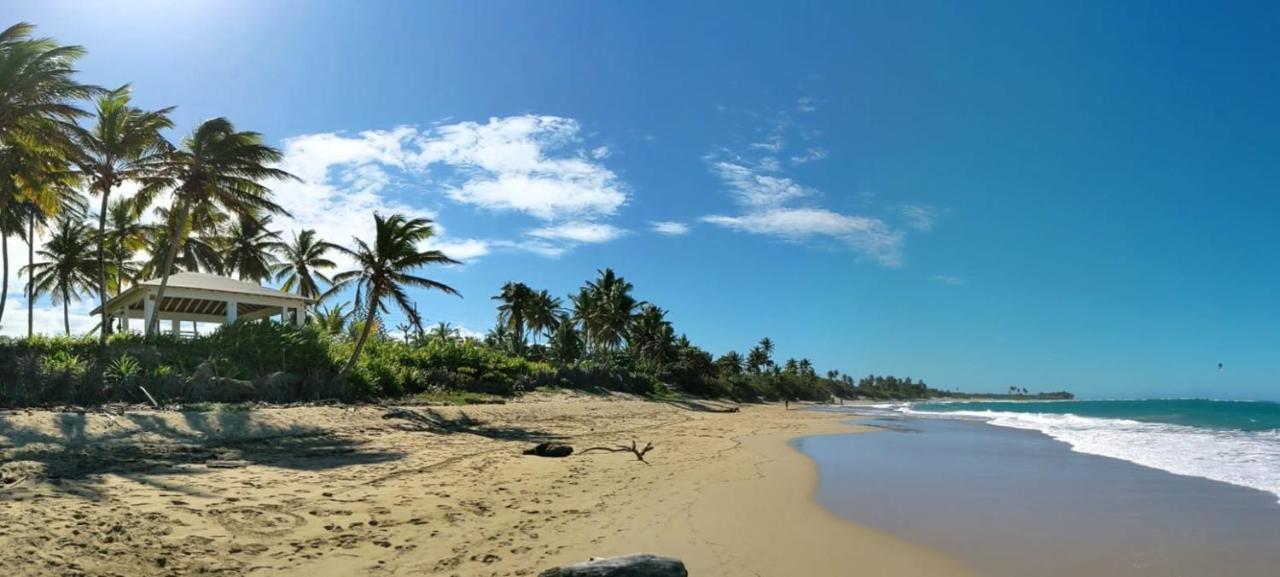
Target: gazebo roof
<point>195,281</point>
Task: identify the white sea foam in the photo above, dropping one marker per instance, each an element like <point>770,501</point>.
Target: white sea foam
<point>1245,458</point>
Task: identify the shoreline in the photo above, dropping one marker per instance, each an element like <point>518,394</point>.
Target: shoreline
<point>343,490</point>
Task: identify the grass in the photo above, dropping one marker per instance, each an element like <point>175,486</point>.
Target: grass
<point>451,397</point>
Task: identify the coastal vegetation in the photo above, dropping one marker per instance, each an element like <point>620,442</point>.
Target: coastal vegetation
<point>205,204</point>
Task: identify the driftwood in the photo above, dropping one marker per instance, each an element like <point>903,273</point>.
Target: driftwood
<point>550,450</point>
<point>225,463</point>
<point>638,452</point>
<point>641,565</point>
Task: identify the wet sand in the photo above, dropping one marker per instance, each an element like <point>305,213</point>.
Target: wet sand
<point>329,491</point>
<point>1014,503</point>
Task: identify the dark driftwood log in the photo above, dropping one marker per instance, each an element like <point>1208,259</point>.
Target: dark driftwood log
<point>638,452</point>
<point>640,565</point>
<point>550,450</point>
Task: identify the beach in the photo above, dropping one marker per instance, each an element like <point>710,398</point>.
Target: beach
<point>342,490</point>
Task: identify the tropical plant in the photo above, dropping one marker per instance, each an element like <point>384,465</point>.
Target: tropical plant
<point>544,313</point>
<point>730,364</point>
<point>604,308</point>
<point>216,169</point>
<point>652,338</point>
<point>124,236</point>
<point>443,331</point>
<point>565,343</point>
<point>332,320</point>
<point>250,249</point>
<point>385,267</point>
<point>517,301</point>
<point>68,269</point>
<point>303,260</point>
<point>123,145</point>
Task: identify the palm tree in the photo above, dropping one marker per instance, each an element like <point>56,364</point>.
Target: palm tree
<point>303,261</point>
<point>730,364</point>
<point>652,337</point>
<point>45,188</point>
<point>565,343</point>
<point>37,85</point>
<point>68,267</point>
<point>216,169</point>
<point>443,331</point>
<point>766,347</point>
<point>385,270</point>
<point>123,237</point>
<point>123,145</point>
<point>202,252</point>
<point>333,320</point>
<point>604,308</point>
<point>543,315</point>
<point>517,300</point>
<point>250,249</point>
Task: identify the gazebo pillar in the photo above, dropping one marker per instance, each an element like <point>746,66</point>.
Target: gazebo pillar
<point>148,310</point>
<point>231,311</point>
<point>300,317</point>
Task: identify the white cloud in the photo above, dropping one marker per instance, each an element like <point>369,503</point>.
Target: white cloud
<point>669,228</point>
<point>919,217</point>
<point>949,279</point>
<point>518,163</point>
<point>805,104</point>
<point>587,232</point>
<point>869,236</point>
<point>759,190</point>
<point>810,155</point>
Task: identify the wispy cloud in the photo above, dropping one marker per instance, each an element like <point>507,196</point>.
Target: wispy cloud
<point>754,189</point>
<point>669,228</point>
<point>586,232</point>
<point>918,216</point>
<point>868,236</point>
<point>532,165</point>
<point>810,155</point>
<point>949,279</point>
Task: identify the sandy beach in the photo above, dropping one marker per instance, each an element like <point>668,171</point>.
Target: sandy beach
<point>323,491</point>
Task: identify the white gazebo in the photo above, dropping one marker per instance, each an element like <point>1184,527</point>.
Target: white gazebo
<point>205,298</point>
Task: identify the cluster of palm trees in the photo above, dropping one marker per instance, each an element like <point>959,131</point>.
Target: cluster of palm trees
<point>604,318</point>
<point>63,142</point>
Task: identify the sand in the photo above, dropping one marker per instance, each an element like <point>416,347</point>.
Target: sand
<point>320,491</point>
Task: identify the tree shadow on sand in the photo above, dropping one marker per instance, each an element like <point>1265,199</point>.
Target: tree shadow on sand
<point>140,446</point>
<point>433,421</point>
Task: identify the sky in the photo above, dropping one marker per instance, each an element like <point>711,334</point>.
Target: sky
<point>1056,195</point>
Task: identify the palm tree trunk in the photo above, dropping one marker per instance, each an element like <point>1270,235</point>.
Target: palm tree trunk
<point>31,259</point>
<point>105,327</point>
<point>66,313</point>
<point>4,292</point>
<point>364,333</point>
<point>178,217</point>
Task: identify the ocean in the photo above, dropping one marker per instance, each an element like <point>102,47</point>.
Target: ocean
<point>1158,488</point>
<point>1235,442</point>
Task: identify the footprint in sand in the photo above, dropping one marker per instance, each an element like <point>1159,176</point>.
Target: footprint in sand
<point>258,520</point>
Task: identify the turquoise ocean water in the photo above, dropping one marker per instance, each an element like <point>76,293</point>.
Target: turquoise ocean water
<point>1236,442</point>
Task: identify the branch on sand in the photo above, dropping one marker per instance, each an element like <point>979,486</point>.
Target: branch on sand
<point>633,449</point>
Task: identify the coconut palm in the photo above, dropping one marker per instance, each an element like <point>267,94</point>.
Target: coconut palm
<point>543,315</point>
<point>216,169</point>
<point>333,320</point>
<point>250,249</point>
<point>730,364</point>
<point>37,84</point>
<point>122,146</point>
<point>195,253</point>
<point>651,337</point>
<point>604,309</point>
<point>44,188</point>
<point>517,300</point>
<point>123,237</point>
<point>68,267</point>
<point>565,343</point>
<point>303,260</point>
<point>385,267</point>
<point>443,331</point>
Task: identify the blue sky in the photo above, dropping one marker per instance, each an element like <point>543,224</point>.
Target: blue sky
<point>981,194</point>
